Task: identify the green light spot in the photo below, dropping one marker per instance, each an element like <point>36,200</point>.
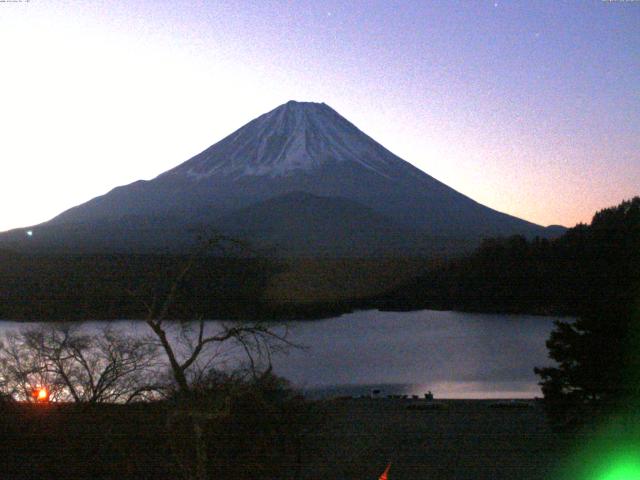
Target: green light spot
<point>622,468</point>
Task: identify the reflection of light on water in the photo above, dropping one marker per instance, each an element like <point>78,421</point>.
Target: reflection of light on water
<point>477,390</point>
<point>440,390</point>
<point>452,354</point>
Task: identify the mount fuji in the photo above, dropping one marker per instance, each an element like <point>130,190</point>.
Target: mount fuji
<point>301,180</point>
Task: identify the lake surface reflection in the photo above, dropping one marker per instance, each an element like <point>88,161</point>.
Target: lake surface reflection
<point>453,354</point>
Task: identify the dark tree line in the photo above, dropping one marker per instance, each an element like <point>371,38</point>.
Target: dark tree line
<point>506,275</point>
<point>63,287</point>
<point>540,276</point>
<point>107,287</point>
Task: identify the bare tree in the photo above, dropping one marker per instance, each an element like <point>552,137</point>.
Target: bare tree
<point>191,350</point>
<point>79,366</point>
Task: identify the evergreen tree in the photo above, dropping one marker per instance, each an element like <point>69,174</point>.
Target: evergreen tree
<point>598,354</point>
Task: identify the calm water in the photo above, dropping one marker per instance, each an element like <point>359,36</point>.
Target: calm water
<point>453,354</point>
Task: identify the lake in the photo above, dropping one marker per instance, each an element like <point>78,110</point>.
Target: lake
<point>452,354</point>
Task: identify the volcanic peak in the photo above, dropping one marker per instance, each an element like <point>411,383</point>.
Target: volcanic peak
<point>294,137</point>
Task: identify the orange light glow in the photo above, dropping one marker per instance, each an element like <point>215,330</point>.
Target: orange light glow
<point>41,394</point>
<point>385,474</point>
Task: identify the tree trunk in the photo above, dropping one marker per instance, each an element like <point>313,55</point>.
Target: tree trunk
<point>201,450</point>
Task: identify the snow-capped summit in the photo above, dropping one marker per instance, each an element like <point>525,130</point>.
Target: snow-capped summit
<point>296,136</point>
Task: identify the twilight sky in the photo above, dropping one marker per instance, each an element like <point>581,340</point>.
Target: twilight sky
<point>531,108</point>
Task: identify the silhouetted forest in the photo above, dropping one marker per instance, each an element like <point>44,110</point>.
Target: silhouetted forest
<point>82,287</point>
<point>587,264</point>
<point>63,287</point>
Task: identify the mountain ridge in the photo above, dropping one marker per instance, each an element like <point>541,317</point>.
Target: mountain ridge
<point>296,147</point>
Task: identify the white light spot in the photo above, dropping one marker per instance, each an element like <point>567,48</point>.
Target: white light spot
<point>29,233</point>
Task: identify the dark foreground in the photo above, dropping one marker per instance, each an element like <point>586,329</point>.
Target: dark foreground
<point>461,439</point>
<point>341,439</point>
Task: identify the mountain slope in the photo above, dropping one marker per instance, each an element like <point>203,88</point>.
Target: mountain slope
<point>304,224</point>
<point>297,147</point>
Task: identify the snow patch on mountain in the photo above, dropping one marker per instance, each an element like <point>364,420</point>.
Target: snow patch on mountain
<point>297,136</point>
